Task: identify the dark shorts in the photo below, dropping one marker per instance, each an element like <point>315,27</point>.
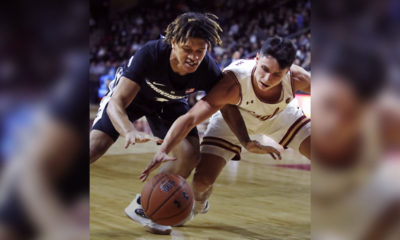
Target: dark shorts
<point>160,118</point>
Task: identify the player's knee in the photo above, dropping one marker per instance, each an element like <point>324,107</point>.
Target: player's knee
<point>193,159</point>
<point>97,149</point>
<point>196,158</point>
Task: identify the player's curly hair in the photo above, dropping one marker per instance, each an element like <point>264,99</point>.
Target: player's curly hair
<point>198,25</point>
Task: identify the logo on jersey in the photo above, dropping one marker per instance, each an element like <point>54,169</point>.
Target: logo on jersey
<point>261,117</point>
<point>162,92</point>
<point>238,63</point>
<point>158,99</point>
<point>158,84</point>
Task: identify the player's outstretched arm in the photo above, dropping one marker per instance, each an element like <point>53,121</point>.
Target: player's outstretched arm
<point>227,91</point>
<point>123,95</point>
<point>236,123</point>
<point>301,79</point>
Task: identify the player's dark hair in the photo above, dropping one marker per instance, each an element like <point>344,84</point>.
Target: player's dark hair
<point>198,25</point>
<point>281,49</point>
<point>360,67</point>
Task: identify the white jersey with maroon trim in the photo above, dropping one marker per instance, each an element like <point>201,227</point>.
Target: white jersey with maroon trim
<point>250,105</point>
<point>283,121</point>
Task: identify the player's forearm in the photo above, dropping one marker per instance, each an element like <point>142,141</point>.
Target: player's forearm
<point>236,123</point>
<point>178,131</point>
<point>119,117</point>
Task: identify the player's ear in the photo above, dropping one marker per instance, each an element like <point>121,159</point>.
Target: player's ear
<point>173,44</point>
<point>257,57</point>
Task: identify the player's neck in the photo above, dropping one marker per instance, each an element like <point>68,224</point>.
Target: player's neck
<point>272,95</point>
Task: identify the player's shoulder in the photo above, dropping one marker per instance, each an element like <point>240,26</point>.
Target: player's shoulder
<point>150,53</point>
<point>241,67</point>
<point>156,44</point>
<point>208,61</point>
<point>209,66</point>
<point>155,48</point>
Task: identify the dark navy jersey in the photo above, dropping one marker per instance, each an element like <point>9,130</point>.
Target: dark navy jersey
<point>150,68</point>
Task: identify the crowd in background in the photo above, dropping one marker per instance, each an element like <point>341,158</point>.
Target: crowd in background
<point>116,35</point>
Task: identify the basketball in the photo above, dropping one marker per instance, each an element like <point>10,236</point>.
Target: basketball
<point>167,199</point>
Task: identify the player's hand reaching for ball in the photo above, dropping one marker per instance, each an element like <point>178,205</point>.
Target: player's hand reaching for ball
<point>134,136</point>
<point>159,158</point>
<point>256,147</point>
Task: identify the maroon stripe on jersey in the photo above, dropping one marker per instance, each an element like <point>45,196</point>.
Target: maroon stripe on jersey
<point>291,128</point>
<point>222,140</point>
<point>236,157</point>
<point>275,112</point>
<point>296,131</point>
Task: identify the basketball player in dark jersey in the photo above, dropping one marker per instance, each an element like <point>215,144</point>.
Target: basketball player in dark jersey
<point>155,83</point>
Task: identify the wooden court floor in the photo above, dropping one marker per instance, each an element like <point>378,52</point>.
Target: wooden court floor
<point>256,198</point>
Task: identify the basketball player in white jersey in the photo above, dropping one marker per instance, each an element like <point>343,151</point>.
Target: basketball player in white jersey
<point>260,92</point>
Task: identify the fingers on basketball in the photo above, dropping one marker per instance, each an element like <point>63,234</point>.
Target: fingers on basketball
<point>154,164</point>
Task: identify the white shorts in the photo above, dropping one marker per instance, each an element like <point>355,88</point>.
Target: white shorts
<point>289,128</point>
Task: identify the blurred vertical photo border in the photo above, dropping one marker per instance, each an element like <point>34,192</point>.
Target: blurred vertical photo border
<point>44,173</point>
<point>356,120</point>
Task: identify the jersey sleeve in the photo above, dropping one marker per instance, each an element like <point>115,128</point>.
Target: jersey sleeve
<point>139,65</point>
<point>212,75</point>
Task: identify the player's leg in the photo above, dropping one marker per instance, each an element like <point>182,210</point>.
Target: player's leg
<point>188,156</point>
<point>103,133</point>
<point>205,175</point>
<point>188,151</point>
<point>219,145</point>
<point>305,147</point>
<point>100,142</point>
<point>291,129</point>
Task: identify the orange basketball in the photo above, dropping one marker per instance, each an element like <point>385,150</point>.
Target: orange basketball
<point>167,199</point>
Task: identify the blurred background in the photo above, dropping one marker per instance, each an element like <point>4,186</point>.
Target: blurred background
<point>119,28</point>
<point>44,172</point>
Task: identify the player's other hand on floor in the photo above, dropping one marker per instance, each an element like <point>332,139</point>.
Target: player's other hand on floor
<point>256,147</point>
<point>159,158</point>
<point>133,137</point>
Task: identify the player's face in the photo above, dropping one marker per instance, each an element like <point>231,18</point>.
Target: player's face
<point>267,73</point>
<point>190,54</point>
<point>336,112</point>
